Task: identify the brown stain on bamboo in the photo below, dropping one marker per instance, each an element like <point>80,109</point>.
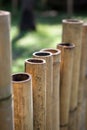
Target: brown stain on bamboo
<point>37,69</point>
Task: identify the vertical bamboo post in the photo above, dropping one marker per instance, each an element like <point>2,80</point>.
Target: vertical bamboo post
<point>67,53</point>
<point>56,53</point>
<point>72,32</point>
<point>82,63</point>
<point>49,85</point>
<point>6,103</point>
<point>23,103</point>
<point>37,69</point>
<point>82,72</point>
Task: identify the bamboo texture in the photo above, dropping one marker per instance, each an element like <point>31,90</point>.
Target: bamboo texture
<point>37,69</point>
<point>6,102</point>
<point>49,85</point>
<point>82,63</point>
<point>5,55</point>
<point>73,122</point>
<point>82,74</point>
<point>72,33</point>
<point>6,114</point>
<point>64,128</point>
<point>56,53</point>
<point>23,103</point>
<point>67,53</point>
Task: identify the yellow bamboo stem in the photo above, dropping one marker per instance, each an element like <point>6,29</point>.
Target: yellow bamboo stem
<point>49,85</point>
<point>67,51</point>
<point>56,53</point>
<point>23,103</point>
<point>72,32</point>
<point>37,69</point>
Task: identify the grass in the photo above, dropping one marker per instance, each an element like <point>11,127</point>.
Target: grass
<point>47,35</point>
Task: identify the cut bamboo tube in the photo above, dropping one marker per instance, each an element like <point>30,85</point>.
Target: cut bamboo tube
<point>23,103</point>
<point>5,55</point>
<point>67,51</point>
<point>72,33</point>
<point>82,63</point>
<point>56,53</point>
<point>37,69</point>
<point>6,103</point>
<point>49,85</point>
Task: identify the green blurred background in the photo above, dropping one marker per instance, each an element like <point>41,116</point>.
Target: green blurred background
<point>48,16</point>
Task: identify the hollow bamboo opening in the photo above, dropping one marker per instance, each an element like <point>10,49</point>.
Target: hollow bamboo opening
<point>42,54</point>
<point>53,51</point>
<point>66,45</point>
<point>35,61</point>
<point>20,77</point>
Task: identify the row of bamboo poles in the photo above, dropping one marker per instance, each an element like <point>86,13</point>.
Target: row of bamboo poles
<point>48,95</point>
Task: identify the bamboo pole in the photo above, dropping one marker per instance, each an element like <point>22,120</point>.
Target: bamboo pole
<point>6,103</point>
<point>72,32</point>
<point>5,55</point>
<point>37,69</point>
<point>56,53</point>
<point>67,53</point>
<point>82,74</point>
<point>49,85</point>
<point>82,63</point>
<point>23,103</point>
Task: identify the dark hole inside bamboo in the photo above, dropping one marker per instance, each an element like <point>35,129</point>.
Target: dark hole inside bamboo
<point>35,61</point>
<point>20,77</point>
<point>42,53</point>
<point>66,44</point>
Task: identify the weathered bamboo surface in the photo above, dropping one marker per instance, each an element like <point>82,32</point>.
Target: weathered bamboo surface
<point>49,85</point>
<point>5,55</point>
<point>37,69</point>
<point>83,63</point>
<point>67,53</point>
<point>6,114</point>
<point>73,124</point>
<point>56,53</point>
<point>23,103</point>
<point>6,102</point>
<point>72,32</point>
